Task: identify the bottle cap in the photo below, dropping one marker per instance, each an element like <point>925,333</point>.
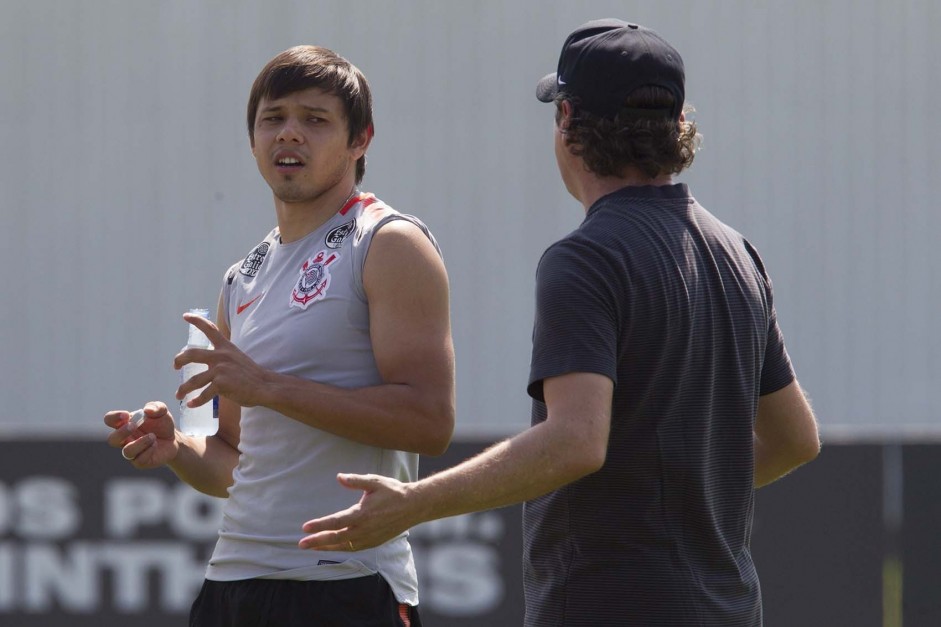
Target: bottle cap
<point>137,417</point>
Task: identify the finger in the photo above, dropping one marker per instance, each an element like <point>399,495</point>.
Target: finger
<point>211,330</point>
<point>133,426</point>
<point>332,523</point>
<point>325,541</point>
<point>367,483</point>
<point>115,419</point>
<point>203,397</point>
<point>193,356</point>
<point>145,458</point>
<point>315,546</point>
<point>123,427</point>
<point>194,383</point>
<point>155,409</point>
<point>119,437</point>
<point>133,450</point>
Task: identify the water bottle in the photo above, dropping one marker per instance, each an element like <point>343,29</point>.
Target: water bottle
<point>202,420</point>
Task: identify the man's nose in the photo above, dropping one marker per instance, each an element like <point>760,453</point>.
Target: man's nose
<point>290,132</point>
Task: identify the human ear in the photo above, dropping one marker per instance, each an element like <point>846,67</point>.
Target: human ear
<point>566,111</point>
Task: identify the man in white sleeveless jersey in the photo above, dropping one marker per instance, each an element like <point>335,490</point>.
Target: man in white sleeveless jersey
<point>332,350</point>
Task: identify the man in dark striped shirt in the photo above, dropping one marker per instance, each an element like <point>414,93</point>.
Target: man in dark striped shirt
<point>662,391</point>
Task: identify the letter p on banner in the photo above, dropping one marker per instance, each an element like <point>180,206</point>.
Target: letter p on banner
<point>133,503</point>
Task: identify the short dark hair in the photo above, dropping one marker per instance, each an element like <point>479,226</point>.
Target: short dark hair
<point>639,135</point>
<point>303,67</point>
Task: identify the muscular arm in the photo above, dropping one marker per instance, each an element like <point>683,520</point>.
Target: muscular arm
<point>570,444</point>
<point>785,434</point>
<point>413,409</point>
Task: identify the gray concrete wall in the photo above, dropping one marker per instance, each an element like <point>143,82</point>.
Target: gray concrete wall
<point>128,186</point>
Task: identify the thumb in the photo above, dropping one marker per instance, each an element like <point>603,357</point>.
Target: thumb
<point>367,483</point>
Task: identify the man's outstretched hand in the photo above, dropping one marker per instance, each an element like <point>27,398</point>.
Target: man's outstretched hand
<point>383,513</point>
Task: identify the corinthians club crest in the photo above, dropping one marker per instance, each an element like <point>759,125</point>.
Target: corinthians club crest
<point>314,281</point>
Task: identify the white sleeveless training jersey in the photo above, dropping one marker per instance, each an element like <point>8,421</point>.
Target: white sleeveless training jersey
<point>300,309</point>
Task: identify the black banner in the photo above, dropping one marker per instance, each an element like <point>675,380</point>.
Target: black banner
<point>87,541</point>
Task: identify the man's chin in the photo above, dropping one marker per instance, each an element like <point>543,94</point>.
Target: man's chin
<point>287,193</point>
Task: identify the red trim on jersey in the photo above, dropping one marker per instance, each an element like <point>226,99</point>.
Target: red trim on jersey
<point>367,199</point>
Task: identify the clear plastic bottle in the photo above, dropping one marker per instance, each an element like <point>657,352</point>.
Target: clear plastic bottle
<point>202,420</point>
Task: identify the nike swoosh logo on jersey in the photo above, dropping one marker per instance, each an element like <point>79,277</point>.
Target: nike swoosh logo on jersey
<point>242,308</point>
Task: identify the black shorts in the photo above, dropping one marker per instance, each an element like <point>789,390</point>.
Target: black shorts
<point>359,602</point>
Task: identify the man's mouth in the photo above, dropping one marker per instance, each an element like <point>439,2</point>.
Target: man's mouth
<point>288,162</point>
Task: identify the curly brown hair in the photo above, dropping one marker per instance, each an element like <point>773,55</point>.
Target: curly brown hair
<point>637,136</point>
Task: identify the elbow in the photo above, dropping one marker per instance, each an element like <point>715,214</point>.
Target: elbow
<point>435,449</point>
<point>577,467</point>
<point>806,448</point>
<point>594,462</point>
<point>577,452</point>
<point>798,452</point>
<point>435,446</point>
<point>809,450</point>
<point>583,461</point>
<point>436,437</point>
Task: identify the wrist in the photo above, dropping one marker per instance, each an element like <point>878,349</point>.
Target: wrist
<point>418,496</point>
<point>267,389</point>
<point>180,441</point>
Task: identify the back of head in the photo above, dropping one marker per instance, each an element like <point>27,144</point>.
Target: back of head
<point>626,85</point>
<point>304,67</point>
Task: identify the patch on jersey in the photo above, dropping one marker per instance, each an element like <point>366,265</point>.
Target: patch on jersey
<point>254,260</point>
<point>314,281</point>
<point>337,236</point>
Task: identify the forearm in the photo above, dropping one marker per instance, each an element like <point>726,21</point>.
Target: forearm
<point>773,463</point>
<point>785,434</point>
<point>205,463</point>
<point>572,442</point>
<point>393,416</point>
<point>533,463</point>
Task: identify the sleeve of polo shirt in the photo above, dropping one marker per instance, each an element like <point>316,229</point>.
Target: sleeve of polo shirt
<point>576,322</point>
<point>776,370</point>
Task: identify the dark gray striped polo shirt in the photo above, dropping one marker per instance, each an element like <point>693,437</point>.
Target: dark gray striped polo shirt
<point>676,308</point>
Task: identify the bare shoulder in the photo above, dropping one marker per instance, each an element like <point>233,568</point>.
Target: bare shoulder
<point>396,225</point>
<point>390,224</point>
<point>400,243</point>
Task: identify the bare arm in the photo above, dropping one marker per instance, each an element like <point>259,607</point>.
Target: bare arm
<point>785,434</point>
<point>413,409</point>
<point>206,463</point>
<point>570,444</point>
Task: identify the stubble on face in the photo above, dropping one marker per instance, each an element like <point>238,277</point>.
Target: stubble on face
<point>310,126</point>
<point>293,188</point>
